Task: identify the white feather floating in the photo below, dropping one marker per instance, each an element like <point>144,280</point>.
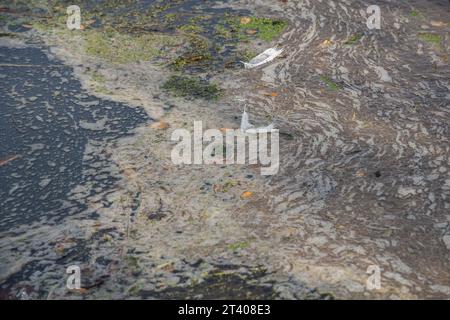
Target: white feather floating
<point>245,124</point>
<point>263,58</point>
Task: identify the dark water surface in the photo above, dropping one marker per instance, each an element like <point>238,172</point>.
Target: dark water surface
<point>47,120</point>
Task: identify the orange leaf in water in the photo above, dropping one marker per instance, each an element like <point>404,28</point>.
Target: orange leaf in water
<point>246,194</point>
<point>161,125</point>
<point>270,94</point>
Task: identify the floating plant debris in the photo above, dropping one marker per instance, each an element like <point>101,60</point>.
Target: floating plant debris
<point>186,86</point>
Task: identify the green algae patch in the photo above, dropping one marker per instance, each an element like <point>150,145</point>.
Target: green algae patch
<point>195,25</point>
<point>243,28</point>
<point>170,17</point>
<point>231,282</point>
<point>191,59</point>
<point>246,54</point>
<point>124,48</point>
<point>219,284</point>
<point>198,54</point>
<point>330,83</point>
<point>185,86</point>
<point>97,77</point>
<point>126,32</point>
<point>354,39</point>
<point>430,38</point>
<point>239,245</point>
<point>223,32</point>
<point>414,13</point>
<point>191,28</point>
<point>99,85</point>
<point>266,29</point>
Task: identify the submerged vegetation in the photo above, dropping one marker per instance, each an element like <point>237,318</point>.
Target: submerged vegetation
<point>185,86</point>
<point>242,28</point>
<point>224,282</point>
<point>200,42</point>
<point>330,83</point>
<point>192,42</point>
<point>207,37</point>
<point>430,38</point>
<point>416,13</point>
<point>123,48</point>
<point>122,33</point>
<point>239,245</point>
<point>265,29</point>
<point>354,39</point>
<point>197,55</point>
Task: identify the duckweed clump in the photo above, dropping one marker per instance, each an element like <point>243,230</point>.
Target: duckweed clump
<point>185,86</point>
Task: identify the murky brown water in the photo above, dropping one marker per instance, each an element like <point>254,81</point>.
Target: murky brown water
<point>366,178</point>
<point>364,172</point>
